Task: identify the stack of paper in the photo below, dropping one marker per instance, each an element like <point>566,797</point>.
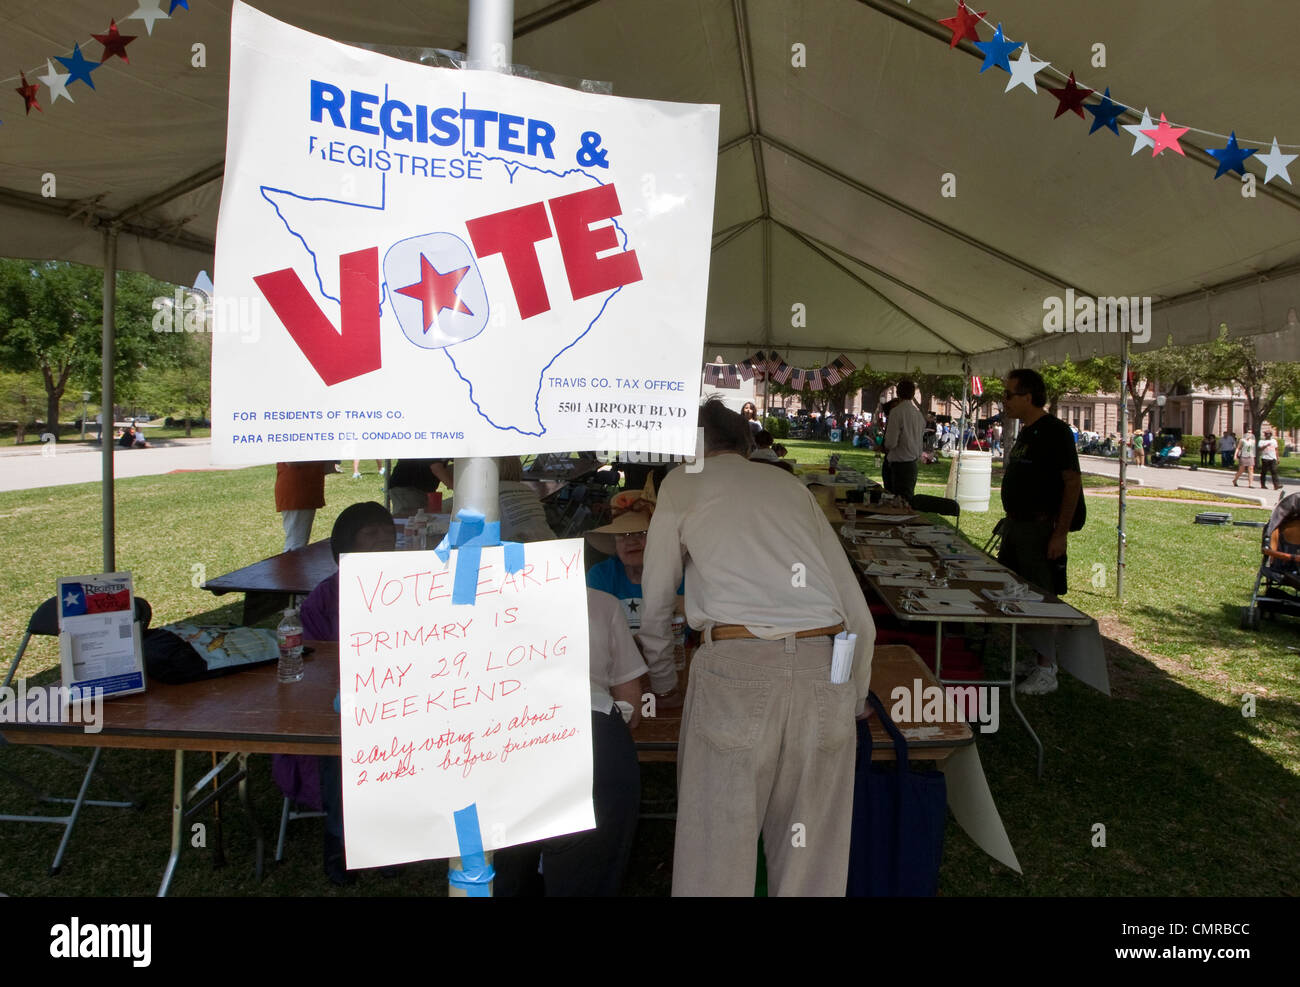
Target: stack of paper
<point>842,657</point>
<point>898,567</point>
<point>941,607</point>
<point>1017,591</point>
<point>974,574</point>
<point>1023,608</point>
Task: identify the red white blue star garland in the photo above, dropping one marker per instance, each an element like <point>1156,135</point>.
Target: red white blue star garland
<point>78,67</point>
<point>1071,98</point>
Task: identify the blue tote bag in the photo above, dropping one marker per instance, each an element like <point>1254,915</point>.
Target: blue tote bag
<point>899,816</point>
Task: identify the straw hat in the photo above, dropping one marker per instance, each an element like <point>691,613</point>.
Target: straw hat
<point>632,511</point>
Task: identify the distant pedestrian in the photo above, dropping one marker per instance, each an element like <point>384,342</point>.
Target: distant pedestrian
<point>1207,449</point>
<point>1245,460</point>
<point>299,492</point>
<point>1268,461</point>
<point>1227,449</point>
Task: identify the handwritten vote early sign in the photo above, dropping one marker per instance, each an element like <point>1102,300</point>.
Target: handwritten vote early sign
<point>446,705</point>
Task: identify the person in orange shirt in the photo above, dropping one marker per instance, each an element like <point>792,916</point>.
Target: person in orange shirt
<point>299,493</point>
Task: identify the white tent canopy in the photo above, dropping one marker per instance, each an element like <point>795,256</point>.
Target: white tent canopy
<point>830,173</point>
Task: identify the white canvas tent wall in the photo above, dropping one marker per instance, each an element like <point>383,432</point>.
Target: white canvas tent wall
<point>829,173</point>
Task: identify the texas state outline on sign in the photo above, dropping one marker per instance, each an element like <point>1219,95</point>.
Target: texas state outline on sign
<point>426,282</point>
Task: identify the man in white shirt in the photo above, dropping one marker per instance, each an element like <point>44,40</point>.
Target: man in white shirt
<point>1268,461</point>
<point>903,435</point>
<point>767,739</point>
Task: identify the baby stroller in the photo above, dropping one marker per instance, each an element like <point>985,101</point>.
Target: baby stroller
<point>1277,586</point>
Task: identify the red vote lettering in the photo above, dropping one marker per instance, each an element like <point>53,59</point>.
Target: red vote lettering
<point>514,234</point>
<point>579,244</point>
<point>335,354</point>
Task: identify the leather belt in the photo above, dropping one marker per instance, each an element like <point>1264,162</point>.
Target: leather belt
<point>733,632</point>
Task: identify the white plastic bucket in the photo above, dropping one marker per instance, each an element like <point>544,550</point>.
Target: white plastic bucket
<point>973,481</point>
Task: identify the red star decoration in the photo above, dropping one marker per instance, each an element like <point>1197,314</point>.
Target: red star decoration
<point>436,291</point>
<point>28,93</point>
<point>963,25</point>
<point>1071,97</point>
<point>1165,135</point>
<point>114,43</point>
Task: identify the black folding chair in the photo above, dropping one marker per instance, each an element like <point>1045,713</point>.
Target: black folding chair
<point>45,621</point>
<point>995,540</point>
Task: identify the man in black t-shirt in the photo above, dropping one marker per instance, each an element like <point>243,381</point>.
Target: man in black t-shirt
<point>1041,489</point>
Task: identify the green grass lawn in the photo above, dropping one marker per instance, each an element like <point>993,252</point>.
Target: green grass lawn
<point>1195,798</point>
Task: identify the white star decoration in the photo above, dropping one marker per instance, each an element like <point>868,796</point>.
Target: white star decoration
<point>57,83</point>
<point>148,11</point>
<point>1023,70</point>
<point>1141,140</point>
<point>71,600</point>
<point>1276,162</point>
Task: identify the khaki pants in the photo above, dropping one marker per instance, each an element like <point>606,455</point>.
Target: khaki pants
<point>768,744</point>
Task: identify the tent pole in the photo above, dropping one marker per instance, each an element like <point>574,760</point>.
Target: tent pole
<point>1123,464</point>
<point>490,48</point>
<point>961,431</point>
<point>108,358</point>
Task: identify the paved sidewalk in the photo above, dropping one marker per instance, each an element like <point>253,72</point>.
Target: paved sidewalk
<point>28,466</point>
<point>1182,478</point>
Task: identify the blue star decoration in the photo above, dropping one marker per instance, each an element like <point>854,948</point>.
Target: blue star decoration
<point>1232,157</point>
<point>78,68</point>
<point>1105,113</point>
<point>998,51</point>
<point>177,3</point>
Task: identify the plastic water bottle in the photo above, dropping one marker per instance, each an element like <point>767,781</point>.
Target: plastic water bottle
<point>289,635</point>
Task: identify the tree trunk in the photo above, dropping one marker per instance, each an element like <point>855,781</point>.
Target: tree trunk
<point>53,395</point>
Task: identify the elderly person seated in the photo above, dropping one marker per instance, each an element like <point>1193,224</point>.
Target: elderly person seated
<point>624,539</point>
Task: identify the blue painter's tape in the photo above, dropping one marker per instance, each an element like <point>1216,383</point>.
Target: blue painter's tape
<point>475,874</point>
<point>469,534</point>
<point>514,556</point>
<point>464,588</point>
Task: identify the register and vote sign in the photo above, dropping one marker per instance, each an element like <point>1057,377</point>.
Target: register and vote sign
<point>447,704</point>
<point>442,262</point>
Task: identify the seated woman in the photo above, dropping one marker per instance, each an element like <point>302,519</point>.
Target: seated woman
<point>592,863</point>
<point>366,527</point>
<point>127,438</point>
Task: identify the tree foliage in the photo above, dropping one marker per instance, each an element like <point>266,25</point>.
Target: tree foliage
<point>1086,377</point>
<point>1226,362</point>
<point>51,314</point>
